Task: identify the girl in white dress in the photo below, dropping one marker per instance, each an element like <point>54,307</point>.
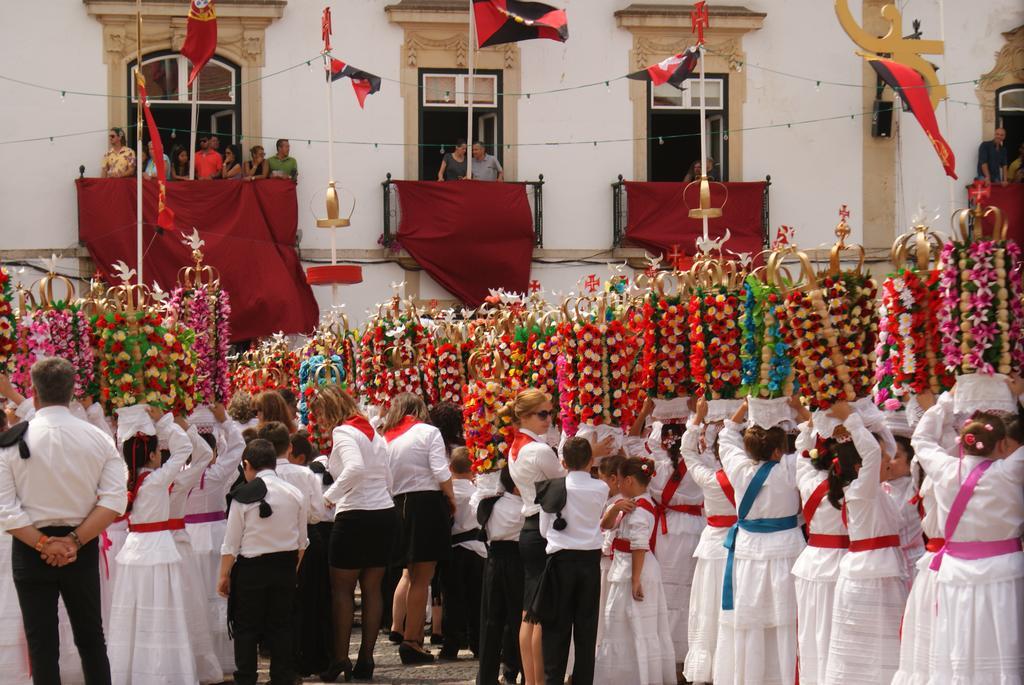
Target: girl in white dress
<point>757,638</point>
<point>680,507</point>
<point>871,591</point>
<point>903,487</point>
<point>979,621</point>
<point>706,593</point>
<point>816,570</point>
<point>636,646</point>
<point>608,471</point>
<point>205,521</point>
<point>148,639</point>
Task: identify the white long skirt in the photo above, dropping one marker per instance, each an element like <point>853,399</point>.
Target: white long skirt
<point>148,642</point>
<point>14,664</point>
<point>757,641</point>
<point>865,640</point>
<point>814,627</point>
<point>702,628</point>
<point>111,541</point>
<point>207,539</point>
<point>208,667</point>
<point>636,646</point>
<point>675,556</point>
<point>978,635</point>
<point>916,634</point>
<point>606,564</point>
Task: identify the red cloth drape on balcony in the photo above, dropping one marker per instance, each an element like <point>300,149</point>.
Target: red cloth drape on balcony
<point>249,229</point>
<point>468,235</point>
<point>1010,199</point>
<point>657,216</point>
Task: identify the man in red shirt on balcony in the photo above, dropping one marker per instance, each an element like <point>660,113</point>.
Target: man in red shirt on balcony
<point>208,161</point>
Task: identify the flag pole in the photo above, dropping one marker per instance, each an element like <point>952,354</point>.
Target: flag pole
<point>138,142</point>
<point>469,92</point>
<point>330,162</point>
<point>194,123</point>
<point>703,133</point>
<point>945,103</point>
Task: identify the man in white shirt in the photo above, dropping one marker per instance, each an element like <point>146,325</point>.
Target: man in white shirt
<point>263,546</point>
<point>573,573</point>
<point>62,482</point>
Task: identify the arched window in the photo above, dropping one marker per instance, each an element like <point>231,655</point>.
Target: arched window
<point>219,98</point>
<point>1010,116</point>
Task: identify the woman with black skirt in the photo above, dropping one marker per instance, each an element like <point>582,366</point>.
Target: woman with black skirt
<point>422,486</point>
<point>531,461</point>
<point>365,525</point>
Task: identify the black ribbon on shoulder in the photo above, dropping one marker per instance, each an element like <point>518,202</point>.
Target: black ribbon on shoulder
<point>551,497</point>
<point>318,468</point>
<point>16,436</point>
<point>483,514</point>
<point>252,492</point>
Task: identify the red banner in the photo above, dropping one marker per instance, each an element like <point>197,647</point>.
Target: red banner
<point>249,229</point>
<point>468,235</point>
<point>657,216</point>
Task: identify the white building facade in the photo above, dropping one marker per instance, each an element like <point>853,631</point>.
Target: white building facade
<point>790,99</point>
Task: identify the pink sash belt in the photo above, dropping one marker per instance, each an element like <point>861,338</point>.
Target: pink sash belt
<point>208,517</point>
<point>975,550</point>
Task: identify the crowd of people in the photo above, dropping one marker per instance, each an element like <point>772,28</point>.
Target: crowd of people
<point>690,550</point>
<point>210,163</point>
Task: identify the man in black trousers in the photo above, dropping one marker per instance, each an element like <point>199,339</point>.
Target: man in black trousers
<point>62,482</point>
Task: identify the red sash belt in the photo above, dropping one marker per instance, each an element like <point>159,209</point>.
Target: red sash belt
<point>934,544</point>
<point>157,526</point>
<point>868,544</point>
<point>832,541</point>
<point>721,521</point>
<point>621,545</point>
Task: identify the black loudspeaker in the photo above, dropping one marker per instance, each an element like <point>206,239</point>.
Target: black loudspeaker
<point>881,119</point>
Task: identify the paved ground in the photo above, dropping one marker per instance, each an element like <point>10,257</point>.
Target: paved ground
<point>390,671</point>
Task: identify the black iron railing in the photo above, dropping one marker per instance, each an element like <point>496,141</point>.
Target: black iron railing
<point>392,211</point>
<point>620,214</point>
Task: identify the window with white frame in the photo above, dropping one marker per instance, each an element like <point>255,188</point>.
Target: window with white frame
<point>453,90</point>
<point>1012,100</point>
<point>167,81</point>
<point>667,96</point>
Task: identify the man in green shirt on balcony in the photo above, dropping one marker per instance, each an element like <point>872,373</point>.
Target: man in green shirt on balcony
<point>281,165</point>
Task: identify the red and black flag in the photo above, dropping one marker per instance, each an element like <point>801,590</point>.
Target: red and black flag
<point>363,82</point>
<point>672,71</point>
<point>510,21</point>
<point>912,90</point>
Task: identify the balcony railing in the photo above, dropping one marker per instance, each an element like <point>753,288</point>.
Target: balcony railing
<point>393,212</point>
<point>620,211</point>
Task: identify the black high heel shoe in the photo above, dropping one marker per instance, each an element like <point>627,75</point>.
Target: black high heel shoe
<point>336,669</point>
<point>395,637</point>
<point>363,670</point>
<point>411,656</point>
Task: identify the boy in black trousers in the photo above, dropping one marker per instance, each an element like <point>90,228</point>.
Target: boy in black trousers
<point>263,545</point>
<point>462,578</point>
<point>568,600</point>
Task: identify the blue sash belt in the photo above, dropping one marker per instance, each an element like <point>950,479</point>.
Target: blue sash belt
<point>774,525</point>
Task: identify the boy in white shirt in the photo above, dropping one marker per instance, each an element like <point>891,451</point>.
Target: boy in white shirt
<point>567,602</point>
<point>263,545</point>
<point>464,573</point>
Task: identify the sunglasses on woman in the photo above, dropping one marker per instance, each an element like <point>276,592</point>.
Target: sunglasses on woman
<point>543,415</point>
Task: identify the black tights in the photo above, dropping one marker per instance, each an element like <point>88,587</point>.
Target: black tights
<point>343,591</point>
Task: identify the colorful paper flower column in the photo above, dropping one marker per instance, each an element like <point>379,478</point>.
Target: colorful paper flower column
<point>7,320</point>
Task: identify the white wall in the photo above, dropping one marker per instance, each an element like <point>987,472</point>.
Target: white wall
<point>814,167</point>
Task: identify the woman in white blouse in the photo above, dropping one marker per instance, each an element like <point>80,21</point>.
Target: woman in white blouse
<point>365,525</point>
<point>422,486</point>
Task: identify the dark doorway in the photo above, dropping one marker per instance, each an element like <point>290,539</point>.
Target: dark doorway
<point>442,123</point>
<point>669,157</point>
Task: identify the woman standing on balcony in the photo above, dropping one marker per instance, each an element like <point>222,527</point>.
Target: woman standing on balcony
<point>453,166</point>
<point>422,486</point>
<point>365,524</point>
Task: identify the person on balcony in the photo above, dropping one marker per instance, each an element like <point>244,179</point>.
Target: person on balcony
<point>696,170</point>
<point>486,167</point>
<point>119,161</point>
<point>453,166</point>
<point>208,161</point>
<point>992,159</point>
<point>232,169</point>
<point>149,169</point>
<point>281,165</point>
<point>1016,172</point>
<point>179,167</point>
<point>257,167</point>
